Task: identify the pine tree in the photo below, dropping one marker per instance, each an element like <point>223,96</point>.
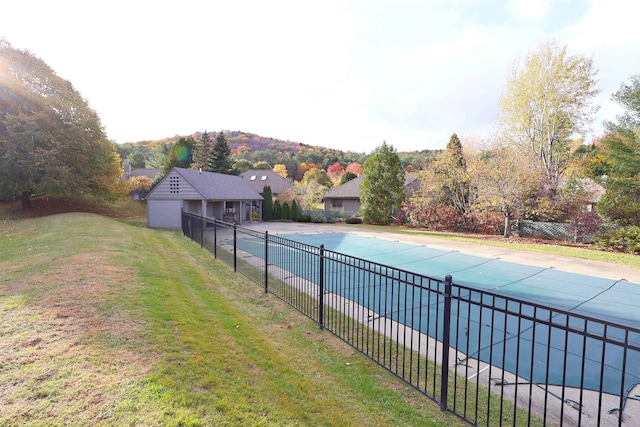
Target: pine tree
<point>294,210</point>
<point>201,152</point>
<point>220,156</point>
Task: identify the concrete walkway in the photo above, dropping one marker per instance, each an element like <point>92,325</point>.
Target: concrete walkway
<point>571,265</point>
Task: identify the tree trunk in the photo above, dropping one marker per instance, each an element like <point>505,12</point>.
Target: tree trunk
<point>507,225</point>
<point>26,200</point>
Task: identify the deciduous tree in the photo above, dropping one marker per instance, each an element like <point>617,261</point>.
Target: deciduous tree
<point>281,170</point>
<point>506,178</point>
<point>548,98</point>
<point>50,139</point>
<point>181,155</point>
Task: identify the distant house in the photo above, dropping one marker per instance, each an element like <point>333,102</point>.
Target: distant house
<point>150,173</point>
<point>259,178</point>
<point>147,172</point>
<point>347,195</point>
<point>591,188</point>
<point>225,197</point>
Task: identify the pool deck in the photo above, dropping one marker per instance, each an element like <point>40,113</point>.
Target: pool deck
<point>601,269</point>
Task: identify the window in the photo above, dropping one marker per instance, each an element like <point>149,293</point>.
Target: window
<point>253,178</point>
<point>264,177</point>
<point>174,185</point>
<point>336,203</point>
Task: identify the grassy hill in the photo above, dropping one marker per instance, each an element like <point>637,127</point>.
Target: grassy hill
<point>109,323</point>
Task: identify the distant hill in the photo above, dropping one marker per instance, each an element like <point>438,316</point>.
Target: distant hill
<point>252,147</point>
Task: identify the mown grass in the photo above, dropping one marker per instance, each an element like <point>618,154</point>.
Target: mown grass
<point>108,323</point>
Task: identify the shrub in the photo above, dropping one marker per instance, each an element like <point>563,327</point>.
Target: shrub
<point>304,218</point>
<point>619,240</point>
<point>352,220</point>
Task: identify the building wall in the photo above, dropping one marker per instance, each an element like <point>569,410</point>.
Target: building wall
<point>173,186</point>
<point>349,206</point>
<point>164,213</point>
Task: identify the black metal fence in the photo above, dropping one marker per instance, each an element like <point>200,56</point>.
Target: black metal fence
<point>489,359</point>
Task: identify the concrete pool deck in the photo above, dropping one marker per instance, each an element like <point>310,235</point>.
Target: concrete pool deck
<point>600,269</point>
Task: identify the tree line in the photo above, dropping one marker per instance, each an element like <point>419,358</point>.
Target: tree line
<point>534,166</point>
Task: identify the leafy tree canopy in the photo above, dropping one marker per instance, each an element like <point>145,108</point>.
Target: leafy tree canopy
<point>50,140</point>
<point>181,155</point>
<point>382,189</point>
<point>548,98</point>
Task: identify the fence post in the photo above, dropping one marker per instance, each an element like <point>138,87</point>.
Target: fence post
<point>321,283</point>
<point>266,261</point>
<point>446,333</point>
<point>202,224</point>
<point>235,248</point>
<point>215,238</point>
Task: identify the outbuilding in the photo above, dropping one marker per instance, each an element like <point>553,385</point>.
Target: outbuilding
<point>214,195</point>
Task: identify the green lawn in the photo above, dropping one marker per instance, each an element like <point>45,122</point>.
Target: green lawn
<point>108,323</point>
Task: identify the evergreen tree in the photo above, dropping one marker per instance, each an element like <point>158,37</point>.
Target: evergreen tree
<point>277,210</point>
<point>294,210</point>
<point>621,150</point>
<point>220,156</point>
<point>382,189</point>
<point>267,204</point>
<point>286,211</point>
<point>201,152</point>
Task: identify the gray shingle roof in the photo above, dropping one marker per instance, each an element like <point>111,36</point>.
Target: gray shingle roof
<point>265,177</point>
<point>217,186</point>
<point>348,190</point>
<point>351,189</point>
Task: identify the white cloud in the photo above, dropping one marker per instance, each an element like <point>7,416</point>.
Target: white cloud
<point>341,74</point>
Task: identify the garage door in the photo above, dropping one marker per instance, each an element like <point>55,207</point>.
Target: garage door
<point>164,213</point>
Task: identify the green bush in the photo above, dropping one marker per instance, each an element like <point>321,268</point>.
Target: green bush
<point>352,220</point>
<point>304,218</point>
<point>619,240</point>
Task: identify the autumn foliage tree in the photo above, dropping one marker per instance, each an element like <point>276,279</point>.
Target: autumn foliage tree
<point>547,100</point>
<point>50,139</point>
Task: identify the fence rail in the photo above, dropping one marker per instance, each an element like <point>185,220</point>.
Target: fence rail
<point>487,358</point>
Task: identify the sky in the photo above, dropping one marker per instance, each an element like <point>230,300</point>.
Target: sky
<point>344,74</point>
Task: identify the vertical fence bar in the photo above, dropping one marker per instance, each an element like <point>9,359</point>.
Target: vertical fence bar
<point>203,223</point>
<point>444,385</point>
<point>235,247</point>
<point>266,262</point>
<point>215,238</point>
<point>321,286</point>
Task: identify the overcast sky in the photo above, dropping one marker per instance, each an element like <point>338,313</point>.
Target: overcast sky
<point>340,74</point>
